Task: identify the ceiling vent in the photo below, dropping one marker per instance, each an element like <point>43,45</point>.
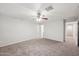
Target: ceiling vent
<point>49,8</point>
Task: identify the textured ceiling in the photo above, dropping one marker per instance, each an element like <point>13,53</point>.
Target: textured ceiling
<point>24,10</point>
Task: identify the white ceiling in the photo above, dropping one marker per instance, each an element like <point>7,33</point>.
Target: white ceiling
<point>24,10</point>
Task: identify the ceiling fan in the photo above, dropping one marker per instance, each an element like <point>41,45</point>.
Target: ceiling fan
<point>41,14</point>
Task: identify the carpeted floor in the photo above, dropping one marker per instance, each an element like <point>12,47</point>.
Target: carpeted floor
<point>40,47</point>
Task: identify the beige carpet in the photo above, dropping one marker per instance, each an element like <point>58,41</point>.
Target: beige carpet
<point>40,47</point>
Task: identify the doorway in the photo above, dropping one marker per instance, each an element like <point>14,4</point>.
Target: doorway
<point>71,32</point>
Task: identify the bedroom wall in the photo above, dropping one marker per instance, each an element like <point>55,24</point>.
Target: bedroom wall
<point>54,29</point>
<point>14,30</point>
